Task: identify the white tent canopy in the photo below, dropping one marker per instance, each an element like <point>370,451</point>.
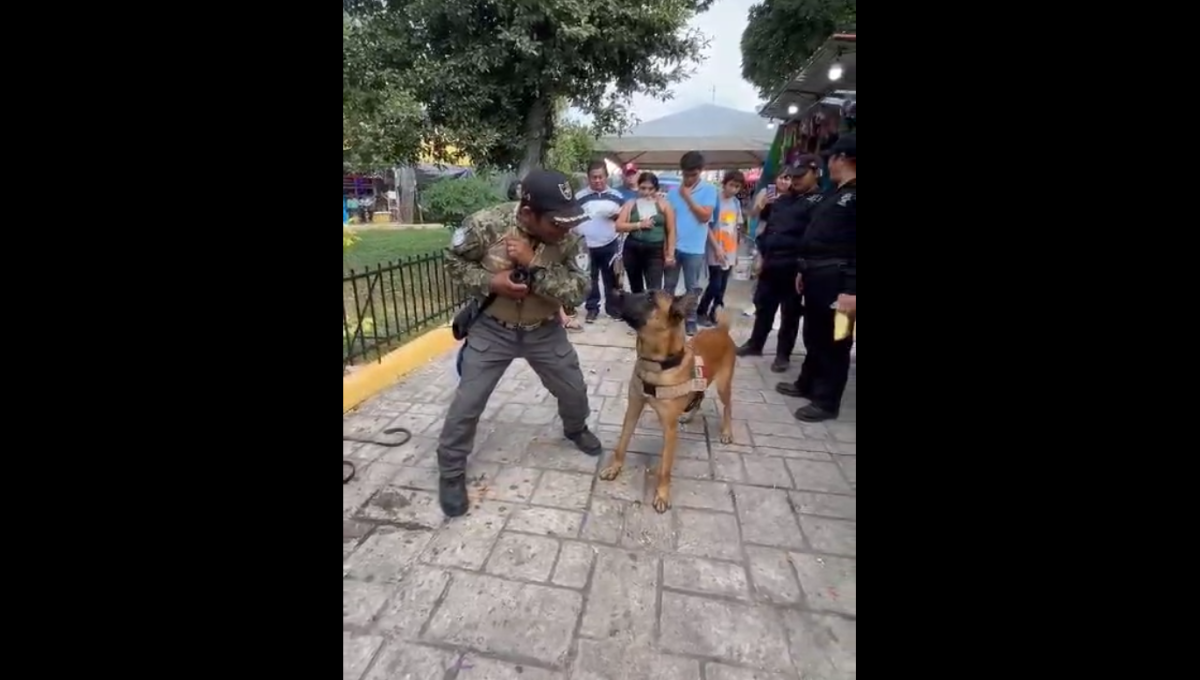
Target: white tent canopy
<point>727,138</point>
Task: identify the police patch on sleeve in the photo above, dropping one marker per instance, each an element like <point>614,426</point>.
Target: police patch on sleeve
<point>458,238</point>
<point>583,260</point>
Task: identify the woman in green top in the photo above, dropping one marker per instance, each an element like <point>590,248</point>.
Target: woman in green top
<point>650,246</point>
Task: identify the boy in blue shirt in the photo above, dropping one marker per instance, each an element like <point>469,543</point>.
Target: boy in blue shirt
<point>693,202</point>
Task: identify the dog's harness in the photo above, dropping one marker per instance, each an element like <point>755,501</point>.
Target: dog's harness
<point>696,385</point>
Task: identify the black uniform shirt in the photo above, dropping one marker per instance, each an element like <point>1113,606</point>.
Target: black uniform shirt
<point>788,217</point>
<point>833,232</point>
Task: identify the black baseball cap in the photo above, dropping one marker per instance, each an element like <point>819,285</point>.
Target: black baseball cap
<point>805,162</point>
<point>846,145</point>
<point>549,192</point>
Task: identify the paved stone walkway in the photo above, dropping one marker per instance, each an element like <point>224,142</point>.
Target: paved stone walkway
<point>554,574</point>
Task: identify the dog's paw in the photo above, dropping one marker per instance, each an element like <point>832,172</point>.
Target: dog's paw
<point>662,500</point>
<point>610,473</point>
<point>727,437</point>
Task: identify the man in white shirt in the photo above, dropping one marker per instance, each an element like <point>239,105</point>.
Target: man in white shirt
<point>601,203</point>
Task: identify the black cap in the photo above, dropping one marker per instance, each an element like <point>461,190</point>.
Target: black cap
<point>845,145</point>
<point>549,192</point>
<point>805,162</point>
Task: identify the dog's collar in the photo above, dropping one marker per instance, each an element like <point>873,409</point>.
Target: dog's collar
<point>670,362</point>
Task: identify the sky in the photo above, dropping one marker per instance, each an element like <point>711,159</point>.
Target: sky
<point>721,67</point>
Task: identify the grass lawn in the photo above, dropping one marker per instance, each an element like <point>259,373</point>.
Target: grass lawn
<point>399,303</point>
<point>378,246</point>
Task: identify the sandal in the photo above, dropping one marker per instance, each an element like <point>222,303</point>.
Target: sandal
<point>573,326</point>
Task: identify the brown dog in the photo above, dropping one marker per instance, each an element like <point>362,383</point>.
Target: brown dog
<point>671,375</point>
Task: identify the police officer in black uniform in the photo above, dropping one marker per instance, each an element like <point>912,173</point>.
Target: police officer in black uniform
<point>828,269</point>
<point>787,218</point>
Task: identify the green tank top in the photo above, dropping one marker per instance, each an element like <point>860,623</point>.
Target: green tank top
<point>655,234</point>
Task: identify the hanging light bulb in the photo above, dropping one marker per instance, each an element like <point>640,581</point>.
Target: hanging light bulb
<point>835,71</point>
<point>771,125</point>
<point>793,110</point>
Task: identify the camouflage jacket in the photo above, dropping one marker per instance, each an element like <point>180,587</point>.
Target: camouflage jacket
<point>476,252</point>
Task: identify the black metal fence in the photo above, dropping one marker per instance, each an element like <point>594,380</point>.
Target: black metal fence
<point>385,306</point>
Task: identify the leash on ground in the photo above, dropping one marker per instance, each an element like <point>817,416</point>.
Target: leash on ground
<point>398,431</point>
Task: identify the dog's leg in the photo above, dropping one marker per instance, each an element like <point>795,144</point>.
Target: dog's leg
<point>662,493</point>
<point>725,392</point>
<point>689,415</point>
<point>637,401</point>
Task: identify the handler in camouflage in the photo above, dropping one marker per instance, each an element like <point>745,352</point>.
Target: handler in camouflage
<point>522,321</point>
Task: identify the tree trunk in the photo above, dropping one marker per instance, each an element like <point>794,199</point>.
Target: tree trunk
<point>538,128</point>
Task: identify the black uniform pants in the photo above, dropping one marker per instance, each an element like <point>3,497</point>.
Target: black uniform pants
<point>602,269</point>
<point>643,265</point>
<point>827,363</point>
<point>777,288</point>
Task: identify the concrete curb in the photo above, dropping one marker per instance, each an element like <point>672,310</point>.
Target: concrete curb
<point>371,379</point>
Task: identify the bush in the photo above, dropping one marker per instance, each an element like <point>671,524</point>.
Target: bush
<point>449,200</point>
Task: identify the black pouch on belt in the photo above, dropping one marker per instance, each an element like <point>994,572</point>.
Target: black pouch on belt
<point>466,317</point>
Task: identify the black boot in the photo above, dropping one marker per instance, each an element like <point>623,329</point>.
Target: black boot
<point>748,350</point>
<point>586,441</point>
<point>452,494</point>
<point>791,390</point>
<point>813,414</point>
<point>780,364</point>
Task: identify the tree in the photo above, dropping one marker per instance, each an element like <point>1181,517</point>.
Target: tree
<point>492,71</point>
<point>572,147</point>
<point>782,34</point>
<point>382,123</point>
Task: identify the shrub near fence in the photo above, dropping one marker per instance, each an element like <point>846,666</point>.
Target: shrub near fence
<point>385,306</point>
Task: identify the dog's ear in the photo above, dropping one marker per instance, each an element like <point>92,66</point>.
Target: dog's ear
<point>683,306</point>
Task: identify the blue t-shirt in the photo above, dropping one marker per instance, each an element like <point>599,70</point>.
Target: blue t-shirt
<point>691,234</point>
<point>628,194</point>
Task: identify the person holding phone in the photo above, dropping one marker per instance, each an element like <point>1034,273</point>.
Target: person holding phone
<point>650,246</point>
<point>601,203</point>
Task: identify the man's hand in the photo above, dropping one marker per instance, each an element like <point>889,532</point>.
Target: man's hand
<point>519,251</point>
<point>847,304</point>
<point>719,252</point>
<point>503,286</point>
<point>799,284</point>
<point>684,190</point>
<point>669,259</point>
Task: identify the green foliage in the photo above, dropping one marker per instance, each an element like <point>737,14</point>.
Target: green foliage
<point>572,148</point>
<point>490,73</point>
<point>349,238</point>
<point>782,34</point>
<point>383,121</point>
<point>450,200</point>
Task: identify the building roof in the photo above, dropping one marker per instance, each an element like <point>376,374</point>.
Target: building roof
<point>812,83</point>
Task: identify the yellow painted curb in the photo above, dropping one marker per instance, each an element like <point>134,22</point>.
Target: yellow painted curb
<point>373,378</point>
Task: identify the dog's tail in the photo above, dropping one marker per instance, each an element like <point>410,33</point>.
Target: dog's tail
<point>722,318</point>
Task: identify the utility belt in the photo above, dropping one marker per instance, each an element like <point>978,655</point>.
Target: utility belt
<point>810,264</point>
<point>532,325</point>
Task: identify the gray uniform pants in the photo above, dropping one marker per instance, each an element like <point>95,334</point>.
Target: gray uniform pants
<point>490,349</point>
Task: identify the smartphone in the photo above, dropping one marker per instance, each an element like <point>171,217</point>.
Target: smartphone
<point>771,191</point>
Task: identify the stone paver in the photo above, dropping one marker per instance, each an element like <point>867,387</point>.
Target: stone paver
<point>556,575</point>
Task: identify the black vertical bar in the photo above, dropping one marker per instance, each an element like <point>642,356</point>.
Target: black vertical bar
<point>435,295</point>
<point>392,285</point>
<point>362,338</point>
<point>371,286</point>
<point>415,262</point>
<point>404,295</point>
<point>387,324</point>
<point>348,347</point>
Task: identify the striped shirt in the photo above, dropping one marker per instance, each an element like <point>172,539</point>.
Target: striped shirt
<point>601,207</point>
